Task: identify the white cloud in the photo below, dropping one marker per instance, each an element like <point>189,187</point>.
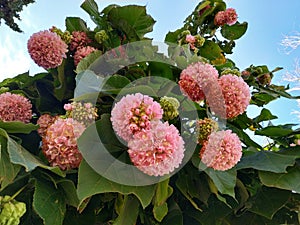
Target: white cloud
<point>13,56</point>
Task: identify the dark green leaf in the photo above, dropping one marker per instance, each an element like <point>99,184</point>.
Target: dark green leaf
<point>129,211</point>
<point>90,6</point>
<point>19,155</point>
<point>288,181</point>
<point>174,216</point>
<point>235,31</point>
<point>265,115</point>
<point>160,211</point>
<point>224,180</point>
<point>212,51</point>
<point>96,184</point>
<point>274,131</point>
<point>69,190</point>
<point>8,171</point>
<point>75,24</point>
<point>49,203</point>
<point>132,20</point>
<point>268,201</point>
<point>267,161</point>
<point>18,127</point>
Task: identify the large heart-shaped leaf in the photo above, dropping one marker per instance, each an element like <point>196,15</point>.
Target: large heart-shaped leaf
<point>235,31</point>
<point>132,20</point>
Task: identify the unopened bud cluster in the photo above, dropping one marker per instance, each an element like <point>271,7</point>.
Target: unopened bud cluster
<point>101,36</point>
<point>204,128</point>
<point>11,210</point>
<point>65,36</point>
<point>84,113</point>
<point>170,107</point>
<point>231,71</point>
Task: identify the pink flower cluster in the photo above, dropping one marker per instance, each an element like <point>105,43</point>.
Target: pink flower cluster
<point>222,151</point>
<point>79,39</point>
<point>157,151</point>
<point>44,121</point>
<point>227,96</point>
<point>14,107</point>
<point>156,148</point>
<point>47,49</point>
<point>195,80</point>
<point>134,113</point>
<point>60,143</point>
<point>228,16</point>
<point>236,94</point>
<point>82,52</point>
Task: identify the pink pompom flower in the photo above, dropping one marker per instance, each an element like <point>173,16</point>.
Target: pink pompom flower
<point>158,151</point>
<point>79,39</point>
<point>47,49</point>
<point>222,151</point>
<point>236,93</point>
<point>59,144</point>
<point>14,107</point>
<point>134,113</point>
<point>220,18</point>
<point>231,16</point>
<point>44,122</point>
<point>82,52</point>
<point>196,78</point>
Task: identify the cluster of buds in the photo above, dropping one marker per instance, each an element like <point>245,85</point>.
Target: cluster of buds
<point>65,36</point>
<point>170,107</point>
<point>84,113</point>
<point>101,36</point>
<point>204,128</point>
<point>11,210</point>
<point>231,71</point>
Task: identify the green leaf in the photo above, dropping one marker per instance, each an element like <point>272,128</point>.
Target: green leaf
<point>132,20</point>
<point>91,183</point>
<point>265,115</point>
<point>288,181</point>
<point>115,82</point>
<point>235,31</point>
<point>129,211</point>
<point>224,180</point>
<point>163,192</point>
<point>8,171</point>
<point>268,201</point>
<point>19,155</point>
<point>161,70</point>
<point>276,162</point>
<point>70,192</point>
<point>274,131</point>
<point>174,216</point>
<point>75,24</point>
<point>49,203</point>
<point>18,127</point>
<point>212,51</point>
<point>160,211</point>
<point>87,61</point>
<point>90,6</point>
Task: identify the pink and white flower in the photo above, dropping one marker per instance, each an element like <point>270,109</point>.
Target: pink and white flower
<point>47,49</point>
<point>222,151</point>
<point>157,151</point>
<point>14,107</point>
<point>59,143</point>
<point>134,113</point>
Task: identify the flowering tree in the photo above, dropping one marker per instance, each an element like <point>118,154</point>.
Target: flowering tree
<point>122,130</point>
<point>9,10</point>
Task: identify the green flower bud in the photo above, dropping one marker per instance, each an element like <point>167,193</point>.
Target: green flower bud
<point>204,128</point>
<point>11,211</point>
<point>84,113</point>
<point>231,71</point>
<point>199,41</point>
<point>65,36</point>
<point>170,107</point>
<point>101,36</point>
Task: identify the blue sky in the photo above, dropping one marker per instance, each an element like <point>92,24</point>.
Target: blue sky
<point>269,21</point>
